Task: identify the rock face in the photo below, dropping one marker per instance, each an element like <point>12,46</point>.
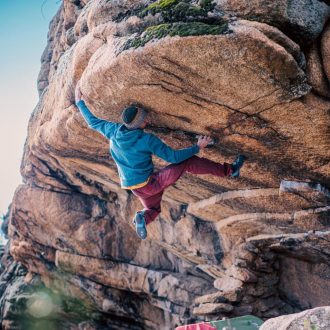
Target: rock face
<point>221,247</point>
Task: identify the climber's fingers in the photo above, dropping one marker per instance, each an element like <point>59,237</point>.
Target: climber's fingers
<point>203,141</point>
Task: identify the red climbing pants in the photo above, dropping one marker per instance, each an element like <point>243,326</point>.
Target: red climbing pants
<point>151,194</point>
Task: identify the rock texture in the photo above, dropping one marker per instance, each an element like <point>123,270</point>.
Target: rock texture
<point>301,19</point>
<point>221,247</point>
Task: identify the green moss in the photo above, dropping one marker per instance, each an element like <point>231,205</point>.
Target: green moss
<point>196,28</point>
<point>178,10</point>
<point>183,10</point>
<point>158,6</point>
<point>207,5</point>
<point>162,4</point>
<point>182,18</point>
<point>159,30</point>
<point>176,29</point>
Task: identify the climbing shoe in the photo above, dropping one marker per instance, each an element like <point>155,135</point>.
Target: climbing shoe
<point>236,165</point>
<point>140,225</point>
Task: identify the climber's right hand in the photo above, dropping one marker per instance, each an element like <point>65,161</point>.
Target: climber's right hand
<point>203,141</point>
<point>78,94</point>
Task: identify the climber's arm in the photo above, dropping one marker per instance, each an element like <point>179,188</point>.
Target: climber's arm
<point>104,127</point>
<point>163,151</point>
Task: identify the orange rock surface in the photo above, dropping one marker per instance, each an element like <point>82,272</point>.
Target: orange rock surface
<point>261,86</point>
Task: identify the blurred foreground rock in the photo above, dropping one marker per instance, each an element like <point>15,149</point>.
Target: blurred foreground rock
<point>317,318</point>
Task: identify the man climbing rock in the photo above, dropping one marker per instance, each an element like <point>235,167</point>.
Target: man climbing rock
<point>132,150</point>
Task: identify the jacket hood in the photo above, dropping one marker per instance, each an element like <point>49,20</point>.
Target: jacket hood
<point>126,137</point>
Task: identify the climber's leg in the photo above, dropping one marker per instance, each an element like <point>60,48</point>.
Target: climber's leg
<point>150,198</point>
<point>195,165</point>
<point>151,194</point>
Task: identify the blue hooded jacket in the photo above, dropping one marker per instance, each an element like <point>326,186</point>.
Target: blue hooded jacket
<point>132,149</point>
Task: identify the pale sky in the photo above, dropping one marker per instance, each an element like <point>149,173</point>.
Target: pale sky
<point>23,36</point>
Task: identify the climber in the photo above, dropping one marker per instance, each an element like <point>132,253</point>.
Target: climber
<point>132,150</point>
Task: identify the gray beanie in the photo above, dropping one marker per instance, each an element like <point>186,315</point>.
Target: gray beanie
<point>133,116</point>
